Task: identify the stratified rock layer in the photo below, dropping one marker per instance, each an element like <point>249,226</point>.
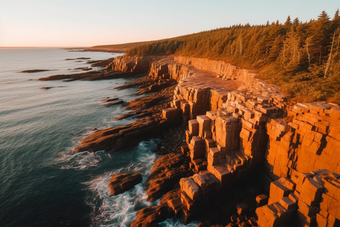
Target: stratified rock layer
<point>132,64</point>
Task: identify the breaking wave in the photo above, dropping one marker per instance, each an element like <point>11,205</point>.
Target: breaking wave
<point>82,160</point>
<point>120,210</point>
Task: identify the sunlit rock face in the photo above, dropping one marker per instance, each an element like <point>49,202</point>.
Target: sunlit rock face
<point>237,126</point>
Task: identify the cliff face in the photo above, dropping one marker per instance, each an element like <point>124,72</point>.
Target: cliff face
<point>133,64</point>
<point>309,131</point>
<point>237,123</point>
<point>312,140</point>
<point>236,127</point>
<point>224,70</point>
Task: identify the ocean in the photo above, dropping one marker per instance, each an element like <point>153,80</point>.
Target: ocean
<point>41,182</point>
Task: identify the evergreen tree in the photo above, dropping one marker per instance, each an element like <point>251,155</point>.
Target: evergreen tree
<point>335,21</point>
<point>291,52</point>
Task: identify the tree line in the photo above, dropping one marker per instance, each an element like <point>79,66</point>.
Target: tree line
<point>303,58</point>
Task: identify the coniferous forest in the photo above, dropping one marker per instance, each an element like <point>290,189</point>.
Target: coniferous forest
<point>303,58</point>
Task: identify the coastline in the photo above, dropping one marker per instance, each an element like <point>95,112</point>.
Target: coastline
<point>37,168</point>
<point>230,114</point>
<point>91,49</point>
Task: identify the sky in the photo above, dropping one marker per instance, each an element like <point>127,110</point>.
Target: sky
<point>85,23</point>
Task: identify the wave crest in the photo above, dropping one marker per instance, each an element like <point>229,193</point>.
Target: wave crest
<point>82,160</point>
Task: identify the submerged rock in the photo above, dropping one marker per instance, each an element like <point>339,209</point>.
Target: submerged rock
<point>34,71</point>
<point>120,183</point>
<point>83,68</point>
<point>116,138</point>
<point>89,75</point>
<point>108,99</point>
<point>47,88</point>
<point>114,103</point>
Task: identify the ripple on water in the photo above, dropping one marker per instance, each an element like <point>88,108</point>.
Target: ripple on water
<point>82,160</point>
<point>176,223</point>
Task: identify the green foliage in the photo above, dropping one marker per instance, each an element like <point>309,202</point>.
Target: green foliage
<point>302,58</point>
<point>165,47</point>
<point>120,47</point>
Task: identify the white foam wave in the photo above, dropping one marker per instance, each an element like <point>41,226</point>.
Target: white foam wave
<point>81,160</point>
<point>112,210</point>
<point>120,210</point>
<point>176,223</point>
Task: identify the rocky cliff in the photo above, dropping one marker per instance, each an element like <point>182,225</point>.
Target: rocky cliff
<point>236,127</point>
<point>132,64</point>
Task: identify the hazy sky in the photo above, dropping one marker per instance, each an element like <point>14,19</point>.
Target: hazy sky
<point>82,23</point>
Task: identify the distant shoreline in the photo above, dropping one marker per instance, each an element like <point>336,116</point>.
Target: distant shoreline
<point>91,49</point>
<point>31,47</point>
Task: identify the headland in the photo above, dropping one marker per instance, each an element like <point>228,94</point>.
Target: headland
<point>237,152</point>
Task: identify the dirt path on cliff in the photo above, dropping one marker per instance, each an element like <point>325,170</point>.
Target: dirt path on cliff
<point>202,78</point>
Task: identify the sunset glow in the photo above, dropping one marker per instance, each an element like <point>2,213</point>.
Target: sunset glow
<point>69,23</point>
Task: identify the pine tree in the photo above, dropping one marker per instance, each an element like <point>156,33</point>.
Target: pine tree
<point>335,23</point>
<point>319,38</point>
<point>287,24</point>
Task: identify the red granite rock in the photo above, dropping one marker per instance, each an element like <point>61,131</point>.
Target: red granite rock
<point>120,183</point>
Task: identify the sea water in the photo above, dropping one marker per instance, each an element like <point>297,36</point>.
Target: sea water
<point>41,182</point>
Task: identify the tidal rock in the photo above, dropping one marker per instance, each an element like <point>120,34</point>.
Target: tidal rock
<point>116,138</point>
<point>83,68</point>
<point>89,75</point>
<point>47,88</point>
<point>120,183</point>
<point>103,63</point>
<point>144,102</point>
<point>108,99</point>
<point>127,115</point>
<point>34,71</point>
<point>151,216</point>
<point>165,175</point>
<point>114,103</point>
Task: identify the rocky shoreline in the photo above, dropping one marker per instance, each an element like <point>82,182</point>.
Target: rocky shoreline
<point>236,151</point>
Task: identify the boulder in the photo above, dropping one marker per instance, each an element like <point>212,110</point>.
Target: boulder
<point>123,182</point>
<point>151,216</point>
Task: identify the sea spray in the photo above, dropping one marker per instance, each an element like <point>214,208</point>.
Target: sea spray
<point>82,160</point>
<point>120,210</point>
<point>176,223</point>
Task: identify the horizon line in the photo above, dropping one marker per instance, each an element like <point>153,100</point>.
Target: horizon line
<point>17,47</point>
